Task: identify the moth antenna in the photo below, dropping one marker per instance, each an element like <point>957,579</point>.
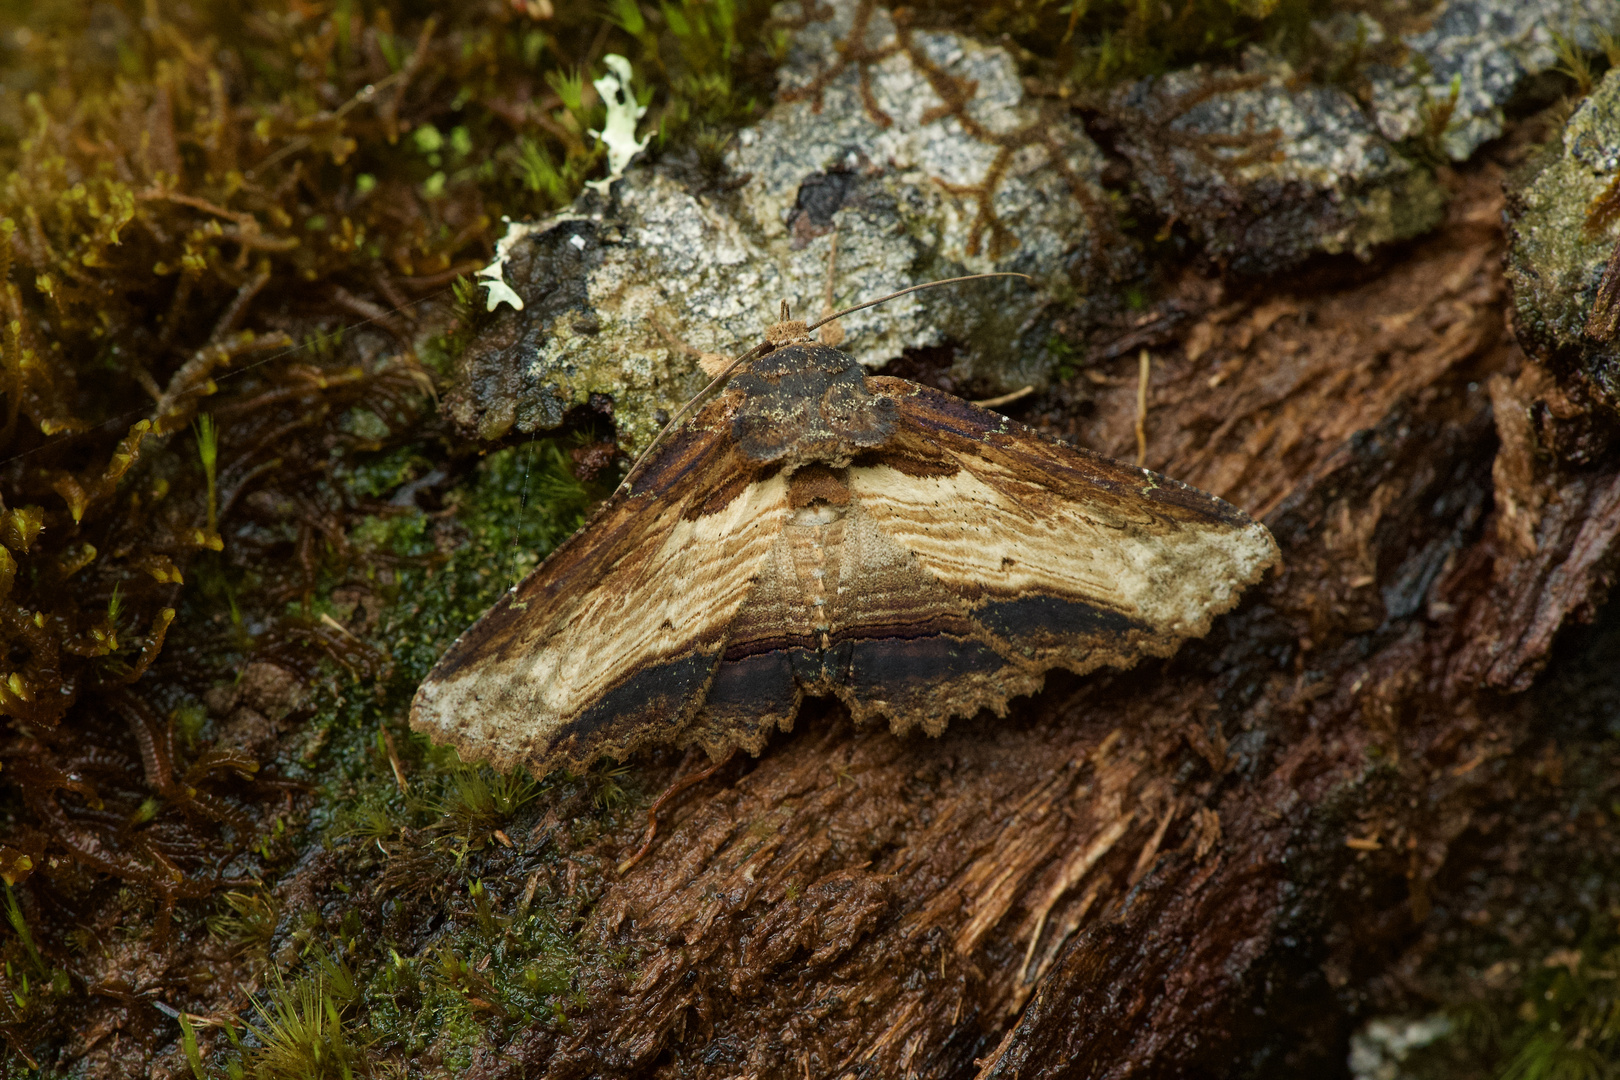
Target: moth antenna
<point>902,292</point>
<point>680,413</point>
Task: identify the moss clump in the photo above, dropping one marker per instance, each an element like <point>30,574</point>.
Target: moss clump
<point>230,241</point>
<point>1570,1016</point>
<point>301,1030</point>
<point>1563,1022</point>
<point>1100,43</point>
<point>454,913</point>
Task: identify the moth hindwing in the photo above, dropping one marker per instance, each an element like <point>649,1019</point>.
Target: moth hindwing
<point>814,530</point>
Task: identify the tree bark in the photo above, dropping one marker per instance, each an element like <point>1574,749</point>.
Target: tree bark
<point>1168,871</point>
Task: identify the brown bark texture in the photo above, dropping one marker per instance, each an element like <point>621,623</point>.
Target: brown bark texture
<point>1161,872</point>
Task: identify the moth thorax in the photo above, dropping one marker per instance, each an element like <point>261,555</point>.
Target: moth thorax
<point>805,404</point>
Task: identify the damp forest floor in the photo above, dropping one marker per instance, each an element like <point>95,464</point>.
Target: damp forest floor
<point>229,856</point>
<point>413,911</point>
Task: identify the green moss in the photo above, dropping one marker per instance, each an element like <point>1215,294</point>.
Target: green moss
<point>477,802</point>
<point>248,921</point>
<point>1099,43</point>
<point>301,1030</point>
<point>507,955</point>
<point>522,502</point>
<point>161,200</point>
<point>1565,1024</point>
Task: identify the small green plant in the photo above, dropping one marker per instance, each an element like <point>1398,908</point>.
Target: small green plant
<point>189,721</point>
<point>188,1043</point>
<point>302,1034</point>
<point>19,925</point>
<point>478,800</point>
<point>544,177</point>
<point>455,974</point>
<point>607,789</point>
<point>1608,44</point>
<point>482,908</point>
<point>369,818</point>
<point>1574,62</point>
<point>569,86</point>
<point>335,977</point>
<point>249,923</point>
<point>208,453</point>
<point>1437,114</point>
<point>1068,364</point>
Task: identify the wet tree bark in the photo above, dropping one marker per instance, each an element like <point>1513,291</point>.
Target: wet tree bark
<point>1169,871</point>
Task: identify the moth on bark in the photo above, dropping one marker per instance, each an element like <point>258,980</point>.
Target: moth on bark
<point>814,530</point>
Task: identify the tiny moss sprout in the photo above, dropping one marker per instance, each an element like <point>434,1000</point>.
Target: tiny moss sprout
<point>19,926</point>
<point>248,921</point>
<point>477,801</point>
<point>188,1042</point>
<point>208,455</point>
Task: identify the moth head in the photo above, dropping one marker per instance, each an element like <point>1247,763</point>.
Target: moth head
<point>787,330</point>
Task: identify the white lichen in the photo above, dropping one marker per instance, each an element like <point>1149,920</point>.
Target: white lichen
<point>1380,1049</point>
<point>493,276</point>
<point>618,132</point>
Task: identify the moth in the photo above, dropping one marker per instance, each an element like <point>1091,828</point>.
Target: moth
<point>814,530</point>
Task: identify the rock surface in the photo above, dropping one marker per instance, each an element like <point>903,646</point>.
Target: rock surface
<point>1561,239</point>
<point>1265,175</point>
<point>1485,49</point>
<point>920,155</point>
<point>919,152</point>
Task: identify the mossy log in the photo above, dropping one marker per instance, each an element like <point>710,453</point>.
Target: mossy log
<point>1169,871</point>
<point>1218,864</point>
